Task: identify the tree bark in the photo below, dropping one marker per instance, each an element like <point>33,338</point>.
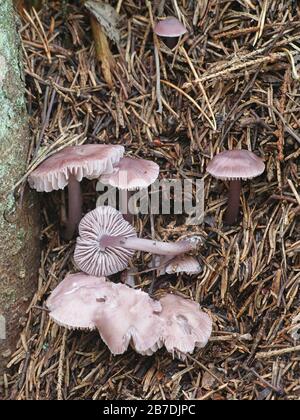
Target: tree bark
<point>19,219</point>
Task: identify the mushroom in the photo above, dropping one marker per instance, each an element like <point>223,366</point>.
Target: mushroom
<point>185,326</point>
<point>131,174</point>
<point>170,30</point>
<point>121,314</point>
<point>180,264</point>
<point>76,299</point>
<point>235,165</point>
<point>106,243</point>
<point>69,167</point>
<point>131,318</point>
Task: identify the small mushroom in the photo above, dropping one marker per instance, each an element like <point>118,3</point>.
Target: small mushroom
<point>185,326</point>
<point>106,243</point>
<point>131,174</point>
<point>170,30</point>
<point>183,264</point>
<point>133,319</point>
<point>180,264</point>
<point>76,299</point>
<point>69,167</point>
<point>233,166</point>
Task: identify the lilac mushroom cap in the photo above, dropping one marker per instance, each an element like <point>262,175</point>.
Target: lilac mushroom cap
<point>130,318</point>
<point>132,174</point>
<point>236,164</point>
<point>86,161</point>
<point>76,299</point>
<point>170,27</point>
<point>184,264</point>
<point>90,255</point>
<point>69,167</point>
<point>180,264</point>
<point>185,325</point>
<point>106,243</point>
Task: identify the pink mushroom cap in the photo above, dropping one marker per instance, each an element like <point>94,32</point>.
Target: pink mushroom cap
<point>170,27</point>
<point>122,315</point>
<point>76,299</point>
<point>130,318</point>
<point>235,165</point>
<point>185,325</point>
<point>184,264</point>
<point>89,256</point>
<point>86,161</point>
<point>132,174</point>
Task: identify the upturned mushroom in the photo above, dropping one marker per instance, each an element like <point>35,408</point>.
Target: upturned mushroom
<point>123,316</point>
<point>76,299</point>
<point>131,174</point>
<point>234,166</point>
<point>170,30</point>
<point>67,168</point>
<point>130,319</point>
<point>185,326</point>
<point>107,242</point>
<point>181,264</point>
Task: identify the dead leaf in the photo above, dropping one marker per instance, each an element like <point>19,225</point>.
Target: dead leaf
<point>107,16</point>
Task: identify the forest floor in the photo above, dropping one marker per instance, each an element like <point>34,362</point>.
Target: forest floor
<point>237,87</point>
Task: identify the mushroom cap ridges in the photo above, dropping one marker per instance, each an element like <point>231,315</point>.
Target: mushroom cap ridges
<point>170,27</point>
<point>236,164</point>
<point>125,316</point>
<point>74,301</point>
<point>184,264</point>
<point>185,325</point>
<point>86,161</point>
<point>131,318</point>
<point>132,174</point>
<point>89,256</point>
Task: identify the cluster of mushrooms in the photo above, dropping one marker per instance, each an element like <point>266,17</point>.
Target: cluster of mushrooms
<point>107,241</point>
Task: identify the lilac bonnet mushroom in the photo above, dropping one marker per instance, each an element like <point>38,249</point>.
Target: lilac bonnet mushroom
<point>131,318</point>
<point>68,167</point>
<point>185,326</point>
<point>107,242</point>
<point>122,315</point>
<point>131,174</point>
<point>76,299</point>
<point>170,29</point>
<point>183,264</point>
<point>233,166</point>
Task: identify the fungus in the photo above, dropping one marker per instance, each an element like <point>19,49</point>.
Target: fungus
<point>76,299</point>
<point>131,174</point>
<point>170,30</point>
<point>185,326</point>
<point>69,167</point>
<point>233,166</point>
<point>133,319</point>
<point>107,242</point>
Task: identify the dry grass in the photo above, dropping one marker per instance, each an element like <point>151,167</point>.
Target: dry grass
<point>239,73</point>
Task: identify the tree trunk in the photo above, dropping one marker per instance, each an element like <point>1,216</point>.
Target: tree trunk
<point>19,220</point>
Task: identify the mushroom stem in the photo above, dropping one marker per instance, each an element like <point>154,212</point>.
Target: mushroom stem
<point>147,245</point>
<point>233,202</point>
<point>74,208</point>
<point>124,205</point>
<point>170,42</point>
